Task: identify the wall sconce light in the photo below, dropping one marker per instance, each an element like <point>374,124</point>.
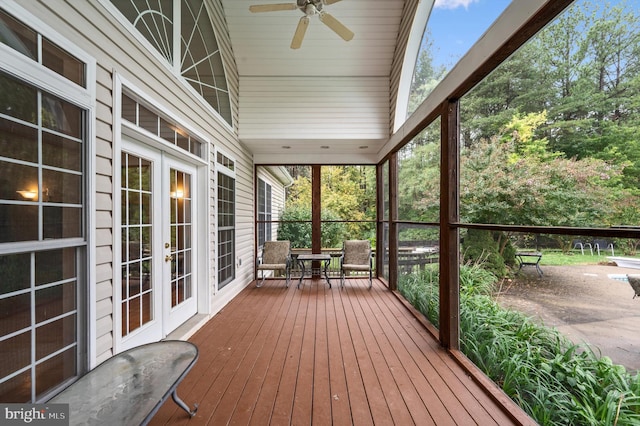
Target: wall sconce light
<point>32,194</point>
<point>28,194</point>
<point>177,194</point>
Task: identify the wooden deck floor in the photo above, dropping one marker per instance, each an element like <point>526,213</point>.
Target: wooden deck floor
<point>325,357</point>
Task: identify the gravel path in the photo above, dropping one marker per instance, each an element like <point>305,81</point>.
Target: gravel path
<point>585,303</point>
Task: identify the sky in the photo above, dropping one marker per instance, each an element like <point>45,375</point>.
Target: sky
<point>456,25</point>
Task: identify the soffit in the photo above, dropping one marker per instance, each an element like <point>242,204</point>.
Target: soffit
<point>261,47</point>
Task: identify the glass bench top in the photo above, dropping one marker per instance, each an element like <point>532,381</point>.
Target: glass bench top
<point>127,387</point>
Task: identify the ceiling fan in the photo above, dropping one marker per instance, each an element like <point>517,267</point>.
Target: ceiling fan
<point>309,8</point>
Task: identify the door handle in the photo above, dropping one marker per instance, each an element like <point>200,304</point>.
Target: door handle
<point>168,258</point>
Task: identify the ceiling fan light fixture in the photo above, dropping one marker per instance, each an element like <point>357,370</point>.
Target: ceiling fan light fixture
<point>308,8</point>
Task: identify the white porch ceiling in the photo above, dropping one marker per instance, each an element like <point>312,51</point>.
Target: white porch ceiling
<point>329,93</point>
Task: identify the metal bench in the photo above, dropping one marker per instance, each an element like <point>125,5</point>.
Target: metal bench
<point>130,387</point>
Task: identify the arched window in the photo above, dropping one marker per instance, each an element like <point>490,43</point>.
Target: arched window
<point>182,32</point>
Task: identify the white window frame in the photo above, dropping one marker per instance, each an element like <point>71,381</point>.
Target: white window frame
<point>174,68</point>
<point>219,168</point>
<point>123,127</point>
<point>263,185</point>
<point>42,78</point>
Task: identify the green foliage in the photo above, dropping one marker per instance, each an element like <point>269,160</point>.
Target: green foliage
<point>499,185</point>
<point>555,381</point>
<point>421,290</point>
<point>348,194</point>
<point>421,233</point>
<point>296,227</point>
<point>333,233</point>
<point>521,131</point>
<point>426,77</point>
<point>419,177</point>
<point>582,75</point>
<point>481,245</point>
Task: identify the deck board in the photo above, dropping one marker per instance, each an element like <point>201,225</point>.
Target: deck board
<point>315,355</point>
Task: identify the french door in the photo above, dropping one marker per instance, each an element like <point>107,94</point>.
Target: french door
<point>158,291</point>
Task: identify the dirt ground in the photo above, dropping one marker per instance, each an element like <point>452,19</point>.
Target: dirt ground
<point>585,304</point>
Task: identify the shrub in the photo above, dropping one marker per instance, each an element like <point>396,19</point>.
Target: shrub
<point>553,380</point>
<point>480,246</point>
<point>296,227</point>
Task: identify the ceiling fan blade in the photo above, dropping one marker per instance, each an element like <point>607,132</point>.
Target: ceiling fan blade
<point>256,8</point>
<point>331,1</point>
<point>336,26</point>
<point>303,23</point>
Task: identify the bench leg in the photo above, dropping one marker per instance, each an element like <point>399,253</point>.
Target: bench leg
<point>182,405</point>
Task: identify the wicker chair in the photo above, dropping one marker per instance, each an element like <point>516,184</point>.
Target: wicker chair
<point>276,256</point>
<point>356,256</point>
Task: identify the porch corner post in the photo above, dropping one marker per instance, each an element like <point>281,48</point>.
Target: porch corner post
<point>449,232</point>
<point>316,209</point>
<point>316,217</point>
<point>393,221</point>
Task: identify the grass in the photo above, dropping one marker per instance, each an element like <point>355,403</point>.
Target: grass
<point>555,381</point>
<point>559,258</point>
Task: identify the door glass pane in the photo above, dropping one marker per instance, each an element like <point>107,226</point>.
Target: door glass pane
<point>180,204</point>
<point>137,280</point>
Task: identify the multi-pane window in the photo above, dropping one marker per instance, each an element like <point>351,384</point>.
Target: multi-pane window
<point>225,161</point>
<point>137,288</point>
<point>197,56</point>
<point>42,219</point>
<point>39,322</point>
<point>180,207</point>
<point>141,116</point>
<point>32,44</point>
<point>226,229</point>
<point>40,164</point>
<point>264,212</point>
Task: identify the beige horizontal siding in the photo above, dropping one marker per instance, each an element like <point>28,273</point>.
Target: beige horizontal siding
<point>95,30</point>
<point>314,108</point>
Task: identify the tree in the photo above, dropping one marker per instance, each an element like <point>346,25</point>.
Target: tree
<point>419,176</point>
<point>514,179</point>
<point>348,196</point>
<point>425,76</point>
<point>583,70</point>
<point>516,86</point>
